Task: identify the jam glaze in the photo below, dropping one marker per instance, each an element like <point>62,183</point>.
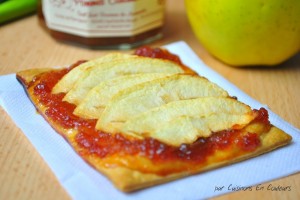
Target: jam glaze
<point>144,155</point>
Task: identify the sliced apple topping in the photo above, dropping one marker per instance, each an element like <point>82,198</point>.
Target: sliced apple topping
<point>96,100</point>
<point>145,97</point>
<point>68,81</point>
<point>140,98</point>
<point>133,65</point>
<point>184,121</point>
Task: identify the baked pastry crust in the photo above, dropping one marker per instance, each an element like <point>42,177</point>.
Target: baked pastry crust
<point>130,179</point>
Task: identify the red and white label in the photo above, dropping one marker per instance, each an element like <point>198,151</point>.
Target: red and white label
<point>103,18</point>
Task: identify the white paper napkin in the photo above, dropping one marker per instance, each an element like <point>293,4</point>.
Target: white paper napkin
<point>82,182</point>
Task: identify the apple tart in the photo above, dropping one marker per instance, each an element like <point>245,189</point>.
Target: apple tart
<point>146,119</point>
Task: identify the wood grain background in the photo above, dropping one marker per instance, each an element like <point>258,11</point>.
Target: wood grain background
<point>24,44</point>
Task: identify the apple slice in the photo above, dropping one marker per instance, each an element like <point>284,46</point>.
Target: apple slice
<point>140,98</point>
<point>68,81</point>
<point>117,68</point>
<point>96,100</point>
<point>185,121</point>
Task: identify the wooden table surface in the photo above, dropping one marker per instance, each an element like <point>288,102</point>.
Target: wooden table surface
<point>24,45</point>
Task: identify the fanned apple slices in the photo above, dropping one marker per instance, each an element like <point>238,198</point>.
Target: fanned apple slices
<point>143,97</point>
<point>145,121</point>
<point>92,76</point>
<point>95,102</point>
<point>81,71</point>
<point>183,122</point>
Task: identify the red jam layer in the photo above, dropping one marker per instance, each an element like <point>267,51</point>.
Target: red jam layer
<point>157,53</point>
<point>104,144</point>
<point>162,54</point>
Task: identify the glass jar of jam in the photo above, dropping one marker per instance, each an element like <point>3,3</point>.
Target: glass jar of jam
<point>115,24</point>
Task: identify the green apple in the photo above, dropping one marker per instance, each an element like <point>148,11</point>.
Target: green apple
<point>247,32</point>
